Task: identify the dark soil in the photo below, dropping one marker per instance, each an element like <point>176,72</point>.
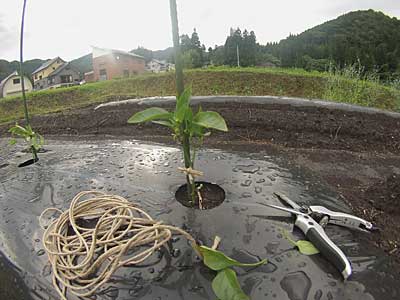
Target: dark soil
<point>385,195</point>
<point>212,196</point>
<point>356,154</point>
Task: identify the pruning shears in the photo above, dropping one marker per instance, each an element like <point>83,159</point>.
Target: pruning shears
<point>306,220</point>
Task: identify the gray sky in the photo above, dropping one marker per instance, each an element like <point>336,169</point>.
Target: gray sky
<point>67,28</point>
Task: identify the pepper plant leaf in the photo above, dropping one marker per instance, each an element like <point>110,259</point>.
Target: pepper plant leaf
<point>216,260</point>
<point>210,119</point>
<point>226,286</point>
<point>150,114</point>
<point>19,130</point>
<point>166,123</point>
<point>182,105</point>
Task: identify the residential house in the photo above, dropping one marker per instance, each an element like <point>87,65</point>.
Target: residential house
<point>11,85</point>
<point>157,66</point>
<point>110,63</point>
<point>65,75</point>
<point>39,76</point>
<point>55,73</point>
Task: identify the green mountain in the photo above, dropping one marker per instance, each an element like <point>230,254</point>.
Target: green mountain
<point>166,54</point>
<point>369,37</point>
<point>83,64</point>
<point>6,68</point>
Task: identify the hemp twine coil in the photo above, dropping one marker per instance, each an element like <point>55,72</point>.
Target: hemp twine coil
<point>98,234</point>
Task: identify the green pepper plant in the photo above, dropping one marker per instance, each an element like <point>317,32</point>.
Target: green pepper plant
<point>34,140</point>
<point>188,129</point>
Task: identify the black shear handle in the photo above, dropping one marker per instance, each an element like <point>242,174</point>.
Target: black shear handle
<point>330,251</point>
<point>316,235</point>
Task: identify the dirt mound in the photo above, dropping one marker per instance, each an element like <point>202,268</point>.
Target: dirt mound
<point>385,195</point>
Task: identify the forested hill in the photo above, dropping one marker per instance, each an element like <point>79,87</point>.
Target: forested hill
<point>370,36</point>
<point>6,68</point>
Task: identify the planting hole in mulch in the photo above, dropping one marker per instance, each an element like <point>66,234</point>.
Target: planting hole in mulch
<point>213,195</point>
<point>28,163</point>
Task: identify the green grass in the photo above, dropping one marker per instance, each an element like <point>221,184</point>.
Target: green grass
<point>211,81</point>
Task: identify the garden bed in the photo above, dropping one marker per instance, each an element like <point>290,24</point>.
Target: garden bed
<point>332,154</point>
<point>349,148</point>
<point>249,230</point>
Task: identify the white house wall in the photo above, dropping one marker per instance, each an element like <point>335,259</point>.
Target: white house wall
<point>11,89</point>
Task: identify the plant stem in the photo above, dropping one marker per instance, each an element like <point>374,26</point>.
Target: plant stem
<point>191,185</point>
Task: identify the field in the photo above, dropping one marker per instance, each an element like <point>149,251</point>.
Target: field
<point>211,81</point>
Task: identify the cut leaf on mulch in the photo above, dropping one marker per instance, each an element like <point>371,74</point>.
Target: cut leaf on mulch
<point>226,286</point>
<point>216,260</point>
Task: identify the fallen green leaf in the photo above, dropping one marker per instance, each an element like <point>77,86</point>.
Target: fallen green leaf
<point>226,286</point>
<point>216,260</point>
<point>305,247</point>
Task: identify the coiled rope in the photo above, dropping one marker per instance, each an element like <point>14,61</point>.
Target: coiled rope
<point>97,235</point>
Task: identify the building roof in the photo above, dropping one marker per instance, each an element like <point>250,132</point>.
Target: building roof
<point>46,64</point>
<point>158,61</point>
<point>104,51</point>
<point>60,68</point>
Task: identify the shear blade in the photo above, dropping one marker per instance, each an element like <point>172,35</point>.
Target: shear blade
<point>287,201</point>
<point>289,210</point>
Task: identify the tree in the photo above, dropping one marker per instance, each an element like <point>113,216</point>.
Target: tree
<point>195,40</point>
<point>186,43</point>
<point>233,41</point>
<point>146,53</point>
<point>192,59</point>
<point>193,51</point>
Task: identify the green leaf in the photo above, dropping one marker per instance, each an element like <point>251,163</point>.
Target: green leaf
<point>167,123</point>
<point>13,141</point>
<point>306,247</point>
<point>182,105</point>
<point>19,130</point>
<point>226,286</point>
<point>216,260</point>
<point>210,119</point>
<point>150,114</point>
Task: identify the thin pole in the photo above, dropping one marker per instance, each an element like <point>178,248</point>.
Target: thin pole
<point>21,60</point>
<point>178,57</point>
<point>237,55</point>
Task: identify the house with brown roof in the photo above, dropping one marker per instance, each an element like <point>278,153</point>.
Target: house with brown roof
<point>111,63</point>
<point>55,73</point>
<point>11,85</point>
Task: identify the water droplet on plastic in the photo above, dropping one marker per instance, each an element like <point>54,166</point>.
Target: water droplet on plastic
<point>297,285</point>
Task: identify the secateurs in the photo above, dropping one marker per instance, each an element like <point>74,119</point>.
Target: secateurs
<point>306,220</point>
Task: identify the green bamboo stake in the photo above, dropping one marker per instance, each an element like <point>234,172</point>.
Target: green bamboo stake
<point>21,74</point>
<point>180,87</point>
<point>178,55</point>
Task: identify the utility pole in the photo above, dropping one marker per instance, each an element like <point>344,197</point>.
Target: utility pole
<point>237,55</point>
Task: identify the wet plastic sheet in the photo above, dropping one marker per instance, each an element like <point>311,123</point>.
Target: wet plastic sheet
<point>147,174</point>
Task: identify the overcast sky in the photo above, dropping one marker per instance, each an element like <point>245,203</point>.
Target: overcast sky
<point>67,28</point>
